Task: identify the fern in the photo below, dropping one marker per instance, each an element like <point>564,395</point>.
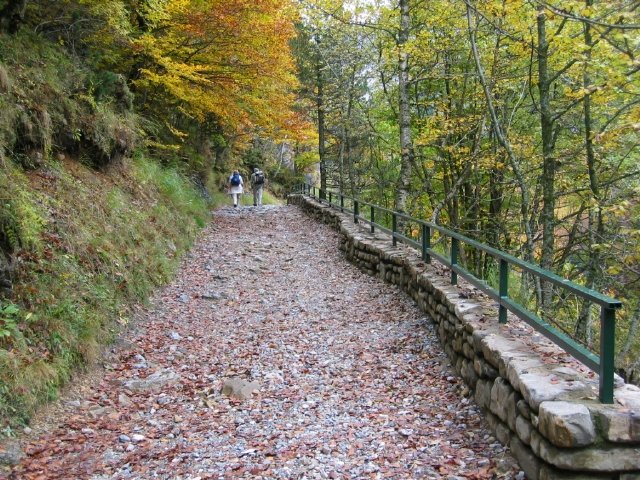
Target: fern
<point>9,316</point>
<point>9,234</point>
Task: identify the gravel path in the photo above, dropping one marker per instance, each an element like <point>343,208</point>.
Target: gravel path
<point>350,381</point>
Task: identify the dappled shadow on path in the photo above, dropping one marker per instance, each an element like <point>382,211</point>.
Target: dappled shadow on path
<point>350,381</point>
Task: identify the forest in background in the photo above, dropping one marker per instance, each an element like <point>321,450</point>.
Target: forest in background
<point>513,122</point>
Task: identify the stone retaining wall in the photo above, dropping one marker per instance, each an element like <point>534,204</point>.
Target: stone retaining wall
<point>537,401</point>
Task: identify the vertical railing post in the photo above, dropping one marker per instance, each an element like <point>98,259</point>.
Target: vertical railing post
<point>426,243</point>
<point>341,203</point>
<point>356,211</point>
<point>373,219</point>
<point>503,289</point>
<point>394,228</point>
<point>329,198</point>
<point>607,353</point>
<point>455,249</point>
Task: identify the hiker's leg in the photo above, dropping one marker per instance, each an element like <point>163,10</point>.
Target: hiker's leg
<point>256,196</point>
<point>259,199</point>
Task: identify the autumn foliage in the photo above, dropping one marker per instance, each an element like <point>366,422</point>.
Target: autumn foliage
<point>222,67</point>
<point>224,58</point>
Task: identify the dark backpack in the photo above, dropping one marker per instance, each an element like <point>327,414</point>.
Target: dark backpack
<point>258,178</point>
<point>235,179</point>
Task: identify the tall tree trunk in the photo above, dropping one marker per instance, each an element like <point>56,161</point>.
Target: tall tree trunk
<point>404,111</point>
<point>341,157</point>
<point>596,224</point>
<point>321,124</point>
<point>548,160</point>
<point>634,328</point>
<point>525,201</point>
<point>347,133</point>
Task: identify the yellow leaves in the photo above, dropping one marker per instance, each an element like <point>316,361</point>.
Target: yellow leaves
<point>581,92</point>
<point>619,210</point>
<point>162,146</point>
<point>306,159</point>
<point>229,59</point>
<point>113,12</point>
<point>176,132</point>
<point>633,233</point>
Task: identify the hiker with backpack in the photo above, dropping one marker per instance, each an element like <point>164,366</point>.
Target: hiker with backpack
<point>257,183</point>
<point>236,187</point>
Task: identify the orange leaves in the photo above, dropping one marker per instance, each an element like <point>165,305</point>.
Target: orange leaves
<point>228,58</point>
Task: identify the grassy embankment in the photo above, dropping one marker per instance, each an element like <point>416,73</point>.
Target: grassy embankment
<point>91,244</point>
<point>88,224</point>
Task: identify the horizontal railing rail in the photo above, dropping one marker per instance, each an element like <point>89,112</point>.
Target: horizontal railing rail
<point>603,364</point>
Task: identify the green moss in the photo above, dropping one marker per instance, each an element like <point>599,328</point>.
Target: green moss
<point>21,218</point>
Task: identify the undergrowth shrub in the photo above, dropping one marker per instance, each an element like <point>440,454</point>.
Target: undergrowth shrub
<point>106,136</point>
<point>111,86</point>
<point>283,181</point>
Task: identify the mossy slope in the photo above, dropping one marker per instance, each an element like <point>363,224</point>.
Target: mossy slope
<point>95,243</point>
<point>89,224</point>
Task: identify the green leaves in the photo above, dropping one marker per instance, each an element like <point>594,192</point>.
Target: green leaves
<point>9,318</point>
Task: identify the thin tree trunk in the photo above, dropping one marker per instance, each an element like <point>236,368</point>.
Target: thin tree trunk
<point>321,125</point>
<point>525,202</point>
<point>596,224</point>
<point>547,215</point>
<point>633,331</point>
<point>347,133</point>
<point>404,112</point>
<point>451,192</point>
<point>341,155</point>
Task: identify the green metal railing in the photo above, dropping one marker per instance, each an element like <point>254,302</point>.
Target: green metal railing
<point>602,364</point>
